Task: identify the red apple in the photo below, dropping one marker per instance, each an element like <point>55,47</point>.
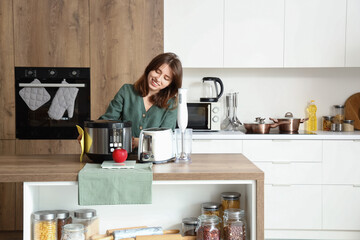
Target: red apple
<point>119,155</point>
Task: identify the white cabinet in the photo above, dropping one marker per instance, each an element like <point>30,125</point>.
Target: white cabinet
<point>194,31</point>
<point>254,33</point>
<point>353,34</point>
<point>292,207</point>
<point>217,146</point>
<point>341,206</point>
<point>341,162</point>
<point>315,33</point>
<point>283,150</point>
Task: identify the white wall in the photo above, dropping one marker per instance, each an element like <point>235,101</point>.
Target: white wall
<point>273,92</point>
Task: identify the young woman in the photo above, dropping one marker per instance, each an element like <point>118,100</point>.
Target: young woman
<point>151,100</point>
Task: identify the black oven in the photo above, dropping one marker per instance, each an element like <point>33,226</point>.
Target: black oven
<point>50,102</point>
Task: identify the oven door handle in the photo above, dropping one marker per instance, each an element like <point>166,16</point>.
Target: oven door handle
<point>80,85</point>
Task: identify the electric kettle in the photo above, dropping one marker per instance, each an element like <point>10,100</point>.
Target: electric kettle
<point>210,89</point>
<point>156,145</point>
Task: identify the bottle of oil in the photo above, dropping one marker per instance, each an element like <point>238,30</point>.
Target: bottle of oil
<point>312,122</point>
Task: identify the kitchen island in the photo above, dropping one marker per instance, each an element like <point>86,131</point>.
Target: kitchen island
<point>50,182</point>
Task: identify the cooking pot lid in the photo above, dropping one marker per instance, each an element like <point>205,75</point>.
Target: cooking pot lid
<point>288,116</point>
<point>102,123</point>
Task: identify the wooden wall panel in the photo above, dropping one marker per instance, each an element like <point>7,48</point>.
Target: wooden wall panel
<point>51,33</point>
<point>7,206</point>
<point>7,147</point>
<point>19,206</point>
<point>7,85</point>
<point>125,36</point>
<point>47,147</point>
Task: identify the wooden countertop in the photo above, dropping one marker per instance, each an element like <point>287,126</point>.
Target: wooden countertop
<point>41,168</point>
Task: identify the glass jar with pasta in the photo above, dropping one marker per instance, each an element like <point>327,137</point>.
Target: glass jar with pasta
<point>211,208</point>
<point>44,225</point>
<point>339,114</point>
<point>230,200</point>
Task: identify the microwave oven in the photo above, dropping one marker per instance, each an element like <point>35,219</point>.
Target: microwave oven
<point>204,116</point>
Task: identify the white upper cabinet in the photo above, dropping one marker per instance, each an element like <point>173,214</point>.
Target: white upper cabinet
<point>315,33</point>
<point>194,31</point>
<point>254,33</point>
<point>353,34</point>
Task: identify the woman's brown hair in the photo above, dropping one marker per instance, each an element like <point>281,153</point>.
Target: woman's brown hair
<point>161,99</point>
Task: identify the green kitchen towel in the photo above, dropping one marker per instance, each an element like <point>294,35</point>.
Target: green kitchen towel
<point>98,186</point>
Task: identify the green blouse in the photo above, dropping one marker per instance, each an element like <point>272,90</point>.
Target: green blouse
<point>128,105</point>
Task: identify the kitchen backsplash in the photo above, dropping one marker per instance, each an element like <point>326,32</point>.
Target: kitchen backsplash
<point>273,92</point>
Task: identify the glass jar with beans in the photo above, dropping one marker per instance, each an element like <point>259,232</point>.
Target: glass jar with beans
<point>189,225</point>
<point>208,228</point>
<point>234,224</point>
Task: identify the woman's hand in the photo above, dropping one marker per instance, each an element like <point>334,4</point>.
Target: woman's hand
<point>135,143</point>
<point>79,138</point>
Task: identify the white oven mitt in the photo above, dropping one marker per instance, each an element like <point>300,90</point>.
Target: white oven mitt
<point>64,100</point>
<point>34,97</point>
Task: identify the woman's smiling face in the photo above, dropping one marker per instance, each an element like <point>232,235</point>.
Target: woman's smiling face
<point>159,79</point>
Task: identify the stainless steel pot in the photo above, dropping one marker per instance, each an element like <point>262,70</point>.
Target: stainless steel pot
<point>102,137</point>
<point>260,127</point>
<point>293,123</point>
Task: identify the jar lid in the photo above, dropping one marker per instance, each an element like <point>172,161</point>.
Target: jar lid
<point>44,215</point>
<point>62,214</point>
<point>339,106</point>
<point>349,121</point>
<point>209,219</point>
<point>211,206</point>
<point>85,213</point>
<point>234,212</point>
<point>190,220</point>
<point>73,227</point>
<point>327,117</point>
<point>230,195</point>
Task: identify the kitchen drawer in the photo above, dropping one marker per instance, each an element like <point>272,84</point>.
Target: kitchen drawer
<point>292,207</point>
<point>290,172</point>
<point>341,207</point>
<point>283,150</point>
<point>217,146</point>
<point>341,163</point>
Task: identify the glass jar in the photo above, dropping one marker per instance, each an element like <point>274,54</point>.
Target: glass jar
<point>73,232</point>
<point>63,218</point>
<point>211,208</point>
<point>339,114</point>
<point>44,225</point>
<point>230,200</point>
<point>326,123</point>
<point>348,126</point>
<point>208,228</point>
<point>234,224</point>
<point>189,226</point>
<point>88,218</point>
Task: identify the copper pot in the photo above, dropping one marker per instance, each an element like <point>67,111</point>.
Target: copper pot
<point>292,123</point>
<point>260,127</point>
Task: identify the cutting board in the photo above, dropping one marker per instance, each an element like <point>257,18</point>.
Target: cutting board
<point>352,109</point>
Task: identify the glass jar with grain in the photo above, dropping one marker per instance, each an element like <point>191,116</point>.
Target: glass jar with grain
<point>208,228</point>
<point>211,208</point>
<point>348,126</point>
<point>44,225</point>
<point>63,218</point>
<point>234,224</point>
<point>89,219</point>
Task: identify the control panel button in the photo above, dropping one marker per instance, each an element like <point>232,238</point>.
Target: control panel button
<point>112,149</point>
<point>215,110</point>
<point>215,119</point>
<point>111,145</point>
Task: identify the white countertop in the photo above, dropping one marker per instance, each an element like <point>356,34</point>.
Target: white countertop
<point>239,135</point>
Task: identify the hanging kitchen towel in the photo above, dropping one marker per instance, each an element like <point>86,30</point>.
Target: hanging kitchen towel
<point>100,186</point>
<point>34,97</point>
<point>64,100</point>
